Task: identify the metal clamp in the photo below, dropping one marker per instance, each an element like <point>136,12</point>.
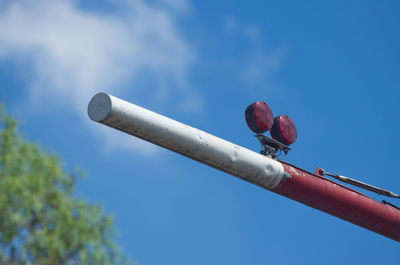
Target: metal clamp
<point>271,147</point>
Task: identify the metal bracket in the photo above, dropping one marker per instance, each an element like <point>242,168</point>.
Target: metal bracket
<point>360,184</point>
<point>271,147</point>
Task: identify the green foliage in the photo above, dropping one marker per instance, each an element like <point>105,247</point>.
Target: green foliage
<point>40,220</point>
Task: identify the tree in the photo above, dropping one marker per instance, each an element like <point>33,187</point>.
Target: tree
<point>40,220</point>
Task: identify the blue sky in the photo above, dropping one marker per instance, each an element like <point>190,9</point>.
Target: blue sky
<point>332,66</point>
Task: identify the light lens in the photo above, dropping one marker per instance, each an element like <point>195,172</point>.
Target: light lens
<point>259,117</point>
<point>284,130</point>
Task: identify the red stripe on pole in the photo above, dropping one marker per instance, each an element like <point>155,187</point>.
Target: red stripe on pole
<point>338,200</point>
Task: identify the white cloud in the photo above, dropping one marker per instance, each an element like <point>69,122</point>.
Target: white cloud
<point>73,53</point>
<point>178,5</point>
<point>259,65</point>
<point>256,64</point>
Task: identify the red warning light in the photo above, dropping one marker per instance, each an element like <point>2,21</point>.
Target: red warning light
<point>284,130</point>
<point>259,117</point>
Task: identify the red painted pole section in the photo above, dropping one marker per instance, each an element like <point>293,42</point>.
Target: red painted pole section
<point>338,200</point>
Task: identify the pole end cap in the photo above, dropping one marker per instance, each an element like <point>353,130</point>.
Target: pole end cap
<point>99,107</point>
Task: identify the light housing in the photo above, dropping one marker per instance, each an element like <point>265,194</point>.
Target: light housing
<point>284,130</point>
<point>259,117</point>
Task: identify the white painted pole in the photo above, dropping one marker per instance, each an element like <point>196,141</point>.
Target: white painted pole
<point>188,141</point>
